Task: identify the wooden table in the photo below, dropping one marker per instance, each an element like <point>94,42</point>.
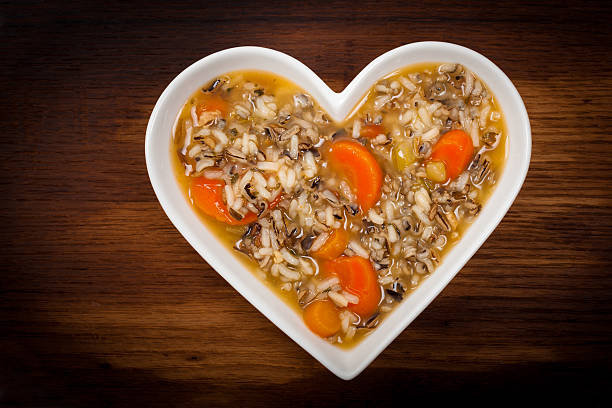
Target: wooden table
<point>104,303</point>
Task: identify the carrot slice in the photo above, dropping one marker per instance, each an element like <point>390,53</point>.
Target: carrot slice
<point>455,149</point>
<point>334,246</point>
<point>354,162</point>
<point>211,103</point>
<point>371,131</point>
<point>357,276</point>
<point>322,318</point>
<point>207,195</point>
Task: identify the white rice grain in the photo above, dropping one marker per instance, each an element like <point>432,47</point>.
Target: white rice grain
<point>262,110</point>
<point>425,116</point>
<point>272,182</point>
<point>356,129</point>
<point>194,116</point>
<point>291,179</point>
<point>287,256</point>
<point>447,67</point>
<point>405,117</point>
<point>327,283</point>
<point>350,333</point>
<point>293,147</point>
<point>338,299</point>
<point>345,320</point>
<point>475,134</point>
<point>265,252</point>
<point>244,145</point>
<point>469,83</point>
<point>204,163</point>
<point>319,241</point>
<point>427,231</point>
<point>288,273</point>
<point>389,210</point>
<point>430,134</point>
<point>237,204</point>
<point>242,111</point>
<point>380,139</point>
<point>268,166</point>
<point>407,84</point>
<point>418,125</point>
<point>385,280</point>
<point>260,180</point>
<point>252,150</point>
<point>483,115</point>
<point>418,211</point>
<point>229,195</point>
<point>194,150</point>
<point>432,107</point>
<point>374,217</point>
<point>245,179</point>
<point>392,234</point>
<point>265,237</point>
<point>293,208</point>
<point>213,174</point>
<point>358,249</point>
<point>329,216</point>
<point>273,239</point>
<point>307,268</point>
<point>381,101</point>
<point>220,136</point>
<point>477,88</point>
<point>421,198</point>
<point>274,270</point>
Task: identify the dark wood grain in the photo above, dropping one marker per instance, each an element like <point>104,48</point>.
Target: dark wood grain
<point>103,303</point>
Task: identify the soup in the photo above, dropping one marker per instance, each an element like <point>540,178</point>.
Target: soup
<point>345,219</point>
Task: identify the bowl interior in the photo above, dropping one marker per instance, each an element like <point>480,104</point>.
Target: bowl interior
<point>345,363</point>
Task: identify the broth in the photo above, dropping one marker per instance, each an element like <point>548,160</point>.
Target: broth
<point>377,110</point>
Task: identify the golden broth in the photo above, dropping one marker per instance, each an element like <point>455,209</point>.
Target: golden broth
<point>283,90</point>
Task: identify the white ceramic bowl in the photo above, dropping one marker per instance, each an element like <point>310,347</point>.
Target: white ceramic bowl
<point>345,364</point>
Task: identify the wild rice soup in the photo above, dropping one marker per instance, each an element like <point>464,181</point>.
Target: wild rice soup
<point>345,219</point>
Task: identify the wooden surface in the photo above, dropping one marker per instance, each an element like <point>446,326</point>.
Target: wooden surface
<point>102,302</point>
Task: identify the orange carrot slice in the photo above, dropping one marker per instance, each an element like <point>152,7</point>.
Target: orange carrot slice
<point>455,149</point>
<point>357,276</point>
<point>207,195</point>
<point>354,162</point>
<point>334,246</point>
<point>322,318</point>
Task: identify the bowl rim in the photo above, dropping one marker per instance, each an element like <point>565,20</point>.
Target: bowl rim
<point>345,363</point>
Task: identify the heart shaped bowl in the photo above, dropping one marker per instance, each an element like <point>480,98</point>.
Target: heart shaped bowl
<point>345,363</point>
